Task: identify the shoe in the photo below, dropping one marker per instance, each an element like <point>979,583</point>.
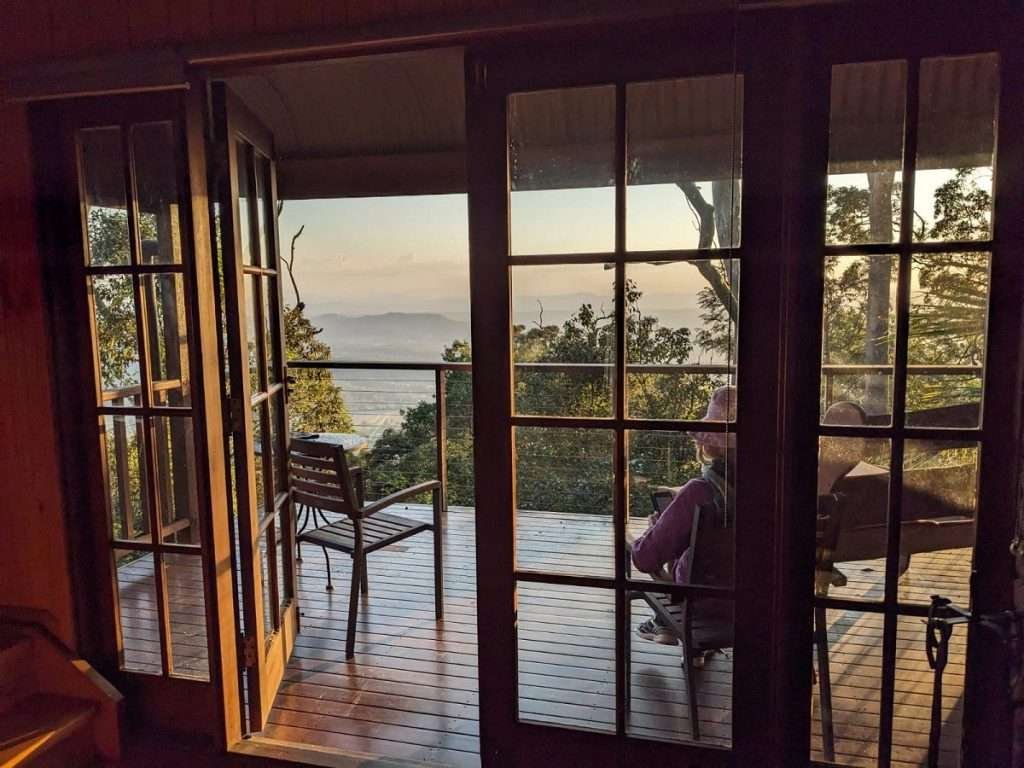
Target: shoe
<point>654,630</point>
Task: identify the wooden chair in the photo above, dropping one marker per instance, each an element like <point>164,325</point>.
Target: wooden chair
<point>702,624</point>
<point>322,481</point>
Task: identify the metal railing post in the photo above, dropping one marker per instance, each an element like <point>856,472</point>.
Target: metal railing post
<point>441,430</point>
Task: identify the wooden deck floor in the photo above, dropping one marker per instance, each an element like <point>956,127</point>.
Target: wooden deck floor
<point>410,692</point>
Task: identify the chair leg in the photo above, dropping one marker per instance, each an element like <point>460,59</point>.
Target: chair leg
<point>363,578</point>
<point>353,607</point>
<point>627,653</point>
<point>299,509</point>
<point>690,678</point>
<point>438,557</point>
<point>327,559</point>
<point>828,742</point>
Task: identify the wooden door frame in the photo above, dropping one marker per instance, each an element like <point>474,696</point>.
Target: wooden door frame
<point>686,50</point>
<point>783,228</point>
<point>912,31</point>
<point>166,701</point>
<point>232,123</point>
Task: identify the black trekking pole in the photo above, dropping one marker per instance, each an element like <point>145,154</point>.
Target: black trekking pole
<point>942,616</point>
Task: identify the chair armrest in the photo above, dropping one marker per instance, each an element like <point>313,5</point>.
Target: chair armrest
<point>393,498</point>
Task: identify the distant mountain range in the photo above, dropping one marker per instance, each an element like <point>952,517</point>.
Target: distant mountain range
<point>423,336</point>
<point>404,336</point>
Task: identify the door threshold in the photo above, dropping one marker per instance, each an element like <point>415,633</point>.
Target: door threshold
<point>326,757</point>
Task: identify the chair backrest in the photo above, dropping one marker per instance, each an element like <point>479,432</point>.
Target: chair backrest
<point>708,620</point>
<point>711,560</point>
<point>320,477</point>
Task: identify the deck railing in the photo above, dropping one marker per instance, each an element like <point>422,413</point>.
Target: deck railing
<point>128,465</point>
<point>373,393</point>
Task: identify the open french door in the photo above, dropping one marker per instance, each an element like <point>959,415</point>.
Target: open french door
<point>243,154</point>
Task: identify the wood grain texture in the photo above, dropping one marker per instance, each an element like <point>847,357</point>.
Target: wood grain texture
<point>411,691</point>
<point>33,550</point>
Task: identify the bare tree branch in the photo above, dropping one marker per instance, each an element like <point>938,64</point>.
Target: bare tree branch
<point>706,214</point>
<point>290,265</point>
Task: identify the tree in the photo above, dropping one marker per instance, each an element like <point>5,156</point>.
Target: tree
<point>315,401</point>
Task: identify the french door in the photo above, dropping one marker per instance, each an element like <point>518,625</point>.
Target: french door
<point>607,253</point>
<point>243,154</point>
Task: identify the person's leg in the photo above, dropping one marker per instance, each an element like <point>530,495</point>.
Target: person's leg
<point>655,630</point>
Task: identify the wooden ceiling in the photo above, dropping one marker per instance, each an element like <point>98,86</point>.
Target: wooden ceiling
<point>395,124</point>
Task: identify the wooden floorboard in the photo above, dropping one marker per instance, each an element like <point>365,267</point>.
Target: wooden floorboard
<point>410,692</point>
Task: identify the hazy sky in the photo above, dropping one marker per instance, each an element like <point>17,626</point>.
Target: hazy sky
<point>411,254</point>
<point>370,255</point>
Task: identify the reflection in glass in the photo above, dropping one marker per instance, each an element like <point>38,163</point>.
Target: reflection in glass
<point>683,139</point>
<point>564,500</point>
<point>262,209</point>
<point>175,478</point>
<point>101,161</point>
<point>561,158</point>
<point>851,536</point>
<point>858,333</point>
<point>912,714</point>
<point>948,324</point>
<point>282,589</point>
<point>680,335</point>
<point>566,656</point>
<point>865,152</point>
<point>938,511</point>
<point>168,338</point>
<point>266,586</point>
<point>183,575</point>
<point>156,186</point>
<point>660,686</point>
<point>260,442</point>
<point>269,314</point>
<point>117,342</point>
<point>245,171</point>
<point>124,441</point>
<point>277,458</point>
<point>848,680</point>
<point>682,506</point>
<point>956,148</point>
<point>137,606</point>
<point>563,321</point>
<point>251,283</point>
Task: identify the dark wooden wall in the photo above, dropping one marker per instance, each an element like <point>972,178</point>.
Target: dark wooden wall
<point>57,28</point>
<point>33,552</point>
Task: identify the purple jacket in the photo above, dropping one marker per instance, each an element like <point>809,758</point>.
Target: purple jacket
<point>666,542</point>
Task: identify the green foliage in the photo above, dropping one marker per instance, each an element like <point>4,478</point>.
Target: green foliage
<point>949,294</point>
<point>563,470</point>
<point>315,402</point>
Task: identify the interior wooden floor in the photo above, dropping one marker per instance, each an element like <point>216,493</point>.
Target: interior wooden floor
<point>410,691</point>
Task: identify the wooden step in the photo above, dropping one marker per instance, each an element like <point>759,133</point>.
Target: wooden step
<point>17,670</point>
<point>44,730</point>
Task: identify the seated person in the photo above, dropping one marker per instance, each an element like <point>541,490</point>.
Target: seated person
<point>663,546</point>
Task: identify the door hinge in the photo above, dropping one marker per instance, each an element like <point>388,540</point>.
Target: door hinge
<point>247,645</point>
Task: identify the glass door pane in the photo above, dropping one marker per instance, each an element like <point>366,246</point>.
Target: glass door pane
<point>623,409</point>
<point>257,385</point>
